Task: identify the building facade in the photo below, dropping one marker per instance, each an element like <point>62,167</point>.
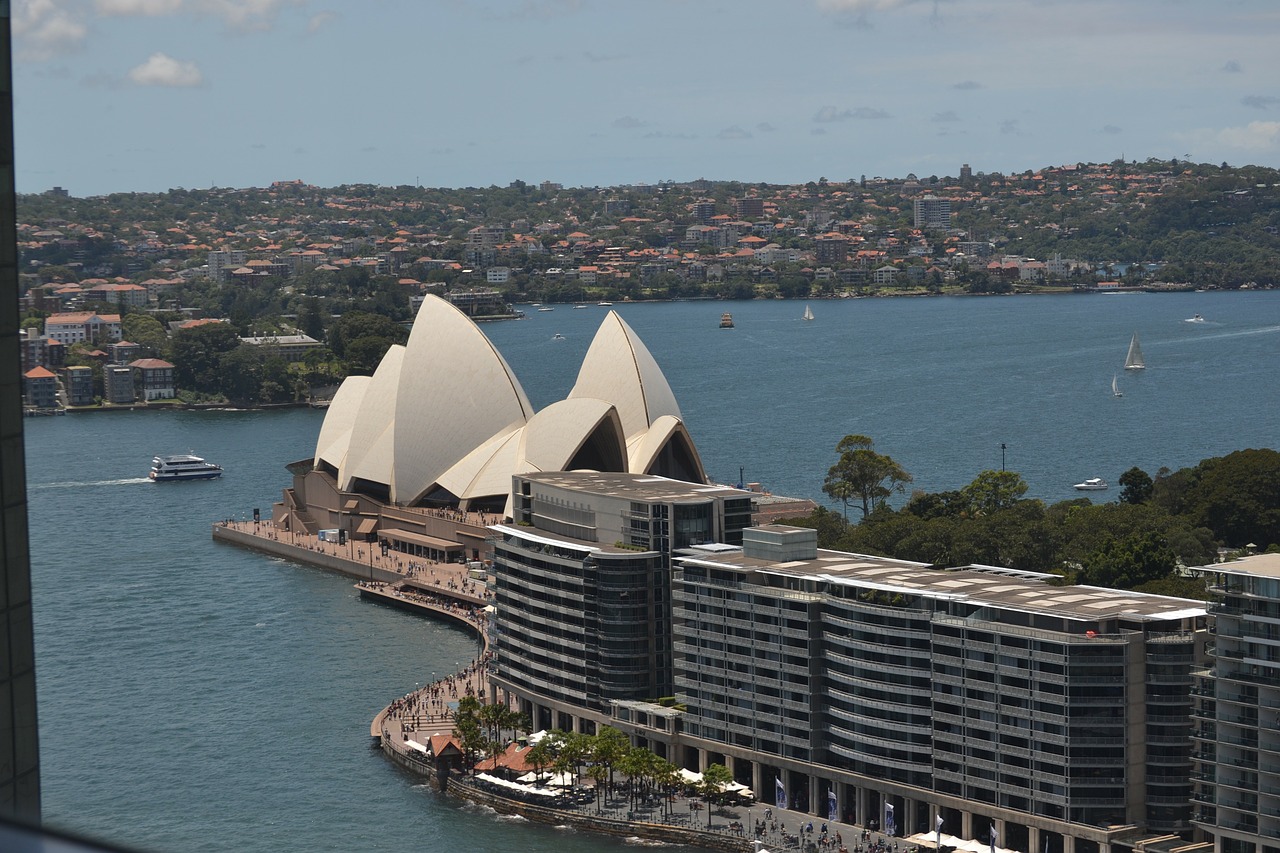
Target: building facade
<point>932,212</point>
<point>40,388</point>
<point>117,384</point>
<point>79,385</point>
<point>1237,735</point>
<point>871,687</point>
<point>583,592</point>
<point>1061,715</point>
<point>153,377</point>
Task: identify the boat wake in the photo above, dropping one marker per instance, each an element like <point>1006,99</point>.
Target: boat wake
<point>80,484</point>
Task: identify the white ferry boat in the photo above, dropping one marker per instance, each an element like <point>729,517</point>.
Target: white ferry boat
<point>183,467</point>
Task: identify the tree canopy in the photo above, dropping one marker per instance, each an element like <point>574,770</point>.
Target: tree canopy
<point>863,477</point>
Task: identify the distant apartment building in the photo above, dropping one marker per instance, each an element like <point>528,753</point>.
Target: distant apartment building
<point>223,261</point>
<point>40,388</point>
<point>153,378</point>
<point>34,348</point>
<point>124,352</point>
<point>129,295</point>
<point>617,207</point>
<point>72,328</point>
<point>932,212</point>
<point>748,207</point>
<point>289,347</point>
<point>830,248</point>
<point>1237,730</point>
<point>702,211</point>
<point>78,384</point>
<point>117,384</point>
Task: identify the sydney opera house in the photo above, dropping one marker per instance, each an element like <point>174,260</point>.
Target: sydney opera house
<point>422,453</point>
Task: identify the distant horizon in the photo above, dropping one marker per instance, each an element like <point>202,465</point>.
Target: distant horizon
<point>114,96</point>
<point>635,184</point>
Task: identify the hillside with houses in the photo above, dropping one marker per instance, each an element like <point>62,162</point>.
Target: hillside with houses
<point>279,291</point>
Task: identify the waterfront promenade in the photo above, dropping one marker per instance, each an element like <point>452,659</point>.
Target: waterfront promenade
<point>446,591</point>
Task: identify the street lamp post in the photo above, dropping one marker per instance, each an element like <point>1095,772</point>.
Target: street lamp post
<point>1002,456</point>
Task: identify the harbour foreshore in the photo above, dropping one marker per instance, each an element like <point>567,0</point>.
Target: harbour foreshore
<point>444,590</point>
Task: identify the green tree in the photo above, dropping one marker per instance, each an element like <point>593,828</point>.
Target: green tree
<point>467,728</point>
<point>609,748</point>
<point>197,355</point>
<point>1237,496</point>
<point>147,332</point>
<point>714,779</point>
<point>992,491</point>
<point>862,476</point>
<point>1129,563</point>
<point>1137,486</point>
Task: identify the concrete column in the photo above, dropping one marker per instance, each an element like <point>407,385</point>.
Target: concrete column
<point>861,804</point>
<point>1034,844</point>
<point>1068,844</point>
<point>1000,839</point>
<point>817,796</point>
<point>966,825</point>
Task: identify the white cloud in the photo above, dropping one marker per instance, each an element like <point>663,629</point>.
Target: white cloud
<point>162,70</point>
<point>141,8</point>
<point>734,132</point>
<point>43,29</point>
<point>1254,136</point>
<point>319,19</point>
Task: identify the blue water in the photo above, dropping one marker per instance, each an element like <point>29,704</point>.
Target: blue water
<point>196,697</point>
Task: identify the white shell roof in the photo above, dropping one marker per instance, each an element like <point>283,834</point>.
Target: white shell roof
<point>486,470</point>
<point>454,392</point>
<point>644,449</point>
<point>446,411</point>
<point>335,432</point>
<point>619,368</point>
<point>369,448</point>
<point>555,434</point>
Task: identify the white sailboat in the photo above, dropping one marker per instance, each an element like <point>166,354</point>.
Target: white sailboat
<point>1115,387</point>
<point>1134,359</point>
<point>808,314</point>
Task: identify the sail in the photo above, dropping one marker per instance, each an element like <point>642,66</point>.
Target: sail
<point>808,314</point>
<point>1115,387</point>
<point>1134,360</point>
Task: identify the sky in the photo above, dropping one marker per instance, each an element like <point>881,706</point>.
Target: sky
<point>151,95</point>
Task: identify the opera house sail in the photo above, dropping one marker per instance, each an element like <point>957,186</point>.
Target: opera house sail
<point>443,425</point>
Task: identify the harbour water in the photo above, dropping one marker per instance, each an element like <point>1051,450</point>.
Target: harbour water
<point>195,697</point>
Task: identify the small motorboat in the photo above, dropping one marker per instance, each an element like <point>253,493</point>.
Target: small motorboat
<point>1093,484</point>
<point>557,337</point>
<point>1196,319</point>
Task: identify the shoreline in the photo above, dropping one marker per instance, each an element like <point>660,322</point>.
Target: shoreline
<point>424,713</point>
